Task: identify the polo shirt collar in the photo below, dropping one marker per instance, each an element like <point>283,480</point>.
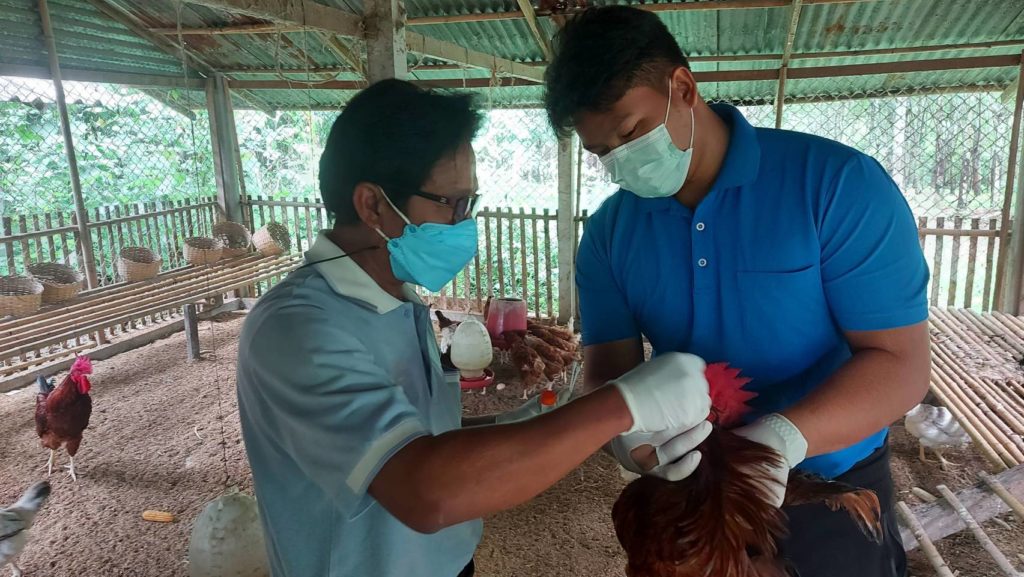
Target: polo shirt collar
<point>349,280</point>
<point>743,157</point>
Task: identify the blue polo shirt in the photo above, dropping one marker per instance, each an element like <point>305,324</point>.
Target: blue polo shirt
<point>800,239</point>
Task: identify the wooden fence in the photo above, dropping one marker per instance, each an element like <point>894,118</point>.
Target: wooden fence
<point>160,226</point>
<point>518,247</point>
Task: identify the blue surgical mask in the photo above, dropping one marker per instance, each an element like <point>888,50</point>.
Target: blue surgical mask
<point>430,254</point>
<point>651,166</point>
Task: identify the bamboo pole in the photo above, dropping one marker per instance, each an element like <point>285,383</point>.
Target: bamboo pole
<point>1000,490</point>
<point>922,538</point>
<point>983,438</point>
<point>69,147</point>
<point>1001,561</point>
<point>1010,440</point>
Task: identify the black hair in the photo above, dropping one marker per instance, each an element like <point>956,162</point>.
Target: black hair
<point>601,54</point>
<point>392,133</point>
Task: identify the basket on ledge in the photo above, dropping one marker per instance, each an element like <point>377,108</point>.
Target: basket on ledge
<point>272,239</point>
<point>236,238</point>
<point>137,263</point>
<point>203,250</point>
<point>19,295</point>
<point>60,281</point>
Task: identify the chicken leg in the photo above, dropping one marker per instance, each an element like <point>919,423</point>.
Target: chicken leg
<point>944,463</point>
<point>71,470</point>
<point>49,464</point>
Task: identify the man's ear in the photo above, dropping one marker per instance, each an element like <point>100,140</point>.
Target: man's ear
<point>368,203</point>
<point>684,85</point>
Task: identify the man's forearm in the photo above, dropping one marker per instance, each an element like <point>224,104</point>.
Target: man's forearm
<point>466,474</point>
<point>871,391</point>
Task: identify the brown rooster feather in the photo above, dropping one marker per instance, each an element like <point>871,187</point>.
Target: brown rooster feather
<point>62,413</point>
<point>720,520</point>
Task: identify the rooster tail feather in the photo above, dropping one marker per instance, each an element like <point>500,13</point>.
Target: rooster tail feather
<point>864,509</point>
<point>82,366</point>
<point>861,504</point>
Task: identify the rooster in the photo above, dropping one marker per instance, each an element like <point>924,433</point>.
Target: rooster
<point>16,520</point>
<point>720,520</point>
<point>62,413</point>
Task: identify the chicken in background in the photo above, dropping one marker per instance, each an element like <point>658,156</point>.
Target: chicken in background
<point>720,521</point>
<point>936,429</point>
<point>15,522</point>
<point>447,327</point>
<point>527,361</point>
<point>62,413</point>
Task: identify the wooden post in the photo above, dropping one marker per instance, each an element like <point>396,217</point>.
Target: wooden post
<point>82,218</point>
<point>1009,270</point>
<point>566,231</point>
<point>386,47</point>
<point>780,96</point>
<point>226,162</point>
<point>191,330</point>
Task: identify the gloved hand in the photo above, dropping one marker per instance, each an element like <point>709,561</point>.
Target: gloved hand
<point>667,392</point>
<point>674,450</point>
<point>531,408</point>
<point>782,436</point>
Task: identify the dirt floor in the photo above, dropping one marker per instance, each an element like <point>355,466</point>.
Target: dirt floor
<point>155,442</point>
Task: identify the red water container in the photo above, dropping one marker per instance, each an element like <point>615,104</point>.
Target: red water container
<point>505,314</point>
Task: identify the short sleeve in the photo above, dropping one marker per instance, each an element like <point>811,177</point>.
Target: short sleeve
<point>337,414</point>
<point>604,312</point>
<point>873,269</point>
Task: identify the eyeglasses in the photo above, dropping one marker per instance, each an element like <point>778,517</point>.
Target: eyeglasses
<point>462,208</point>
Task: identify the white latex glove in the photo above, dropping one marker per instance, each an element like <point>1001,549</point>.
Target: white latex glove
<point>668,392</point>
<point>531,408</point>
<point>677,458</point>
<point>782,436</point>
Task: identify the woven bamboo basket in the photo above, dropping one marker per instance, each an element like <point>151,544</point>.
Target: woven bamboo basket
<point>236,238</point>
<point>138,263</point>
<point>19,295</point>
<point>202,250</point>
<point>60,281</point>
<point>272,239</point>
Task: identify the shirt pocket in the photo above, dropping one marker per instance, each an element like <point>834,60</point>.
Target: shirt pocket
<point>784,321</point>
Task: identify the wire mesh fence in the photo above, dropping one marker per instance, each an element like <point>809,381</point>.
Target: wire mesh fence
<point>146,172</point>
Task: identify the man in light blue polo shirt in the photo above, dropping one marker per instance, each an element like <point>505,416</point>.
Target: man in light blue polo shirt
<point>351,428</point>
<point>792,257</point>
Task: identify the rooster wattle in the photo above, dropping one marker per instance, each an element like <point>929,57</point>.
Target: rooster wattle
<point>720,520</point>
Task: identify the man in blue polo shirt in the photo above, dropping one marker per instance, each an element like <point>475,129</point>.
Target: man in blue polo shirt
<point>792,257</point>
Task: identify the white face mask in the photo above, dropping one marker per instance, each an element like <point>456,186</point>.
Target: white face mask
<point>651,166</point>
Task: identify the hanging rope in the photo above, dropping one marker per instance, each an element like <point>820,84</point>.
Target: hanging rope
<point>221,412</point>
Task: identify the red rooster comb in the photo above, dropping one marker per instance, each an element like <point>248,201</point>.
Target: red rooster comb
<point>728,398</point>
<point>82,366</point>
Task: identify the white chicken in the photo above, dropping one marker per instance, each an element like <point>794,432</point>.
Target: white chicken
<point>936,429</point>
<point>16,520</point>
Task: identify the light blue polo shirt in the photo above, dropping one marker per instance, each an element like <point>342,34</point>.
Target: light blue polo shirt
<point>334,377</point>
<point>799,239</point>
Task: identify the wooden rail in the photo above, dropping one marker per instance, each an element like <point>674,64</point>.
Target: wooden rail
<point>100,316</point>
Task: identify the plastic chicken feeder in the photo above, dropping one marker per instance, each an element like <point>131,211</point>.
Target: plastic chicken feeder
<point>506,314</point>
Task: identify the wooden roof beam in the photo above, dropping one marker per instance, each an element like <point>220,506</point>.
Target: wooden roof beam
<point>261,28</point>
<point>111,9</point>
<point>669,7</point>
<point>787,51</point>
<point>539,35</point>
<point>449,52</point>
<point>304,13</point>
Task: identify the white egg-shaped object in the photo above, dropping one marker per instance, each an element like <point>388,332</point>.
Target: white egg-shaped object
<point>471,348</point>
<point>227,540</point>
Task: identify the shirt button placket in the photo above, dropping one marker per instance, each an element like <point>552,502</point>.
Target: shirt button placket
<point>702,262</point>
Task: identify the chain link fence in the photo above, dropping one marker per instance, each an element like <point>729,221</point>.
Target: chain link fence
<point>146,171</point>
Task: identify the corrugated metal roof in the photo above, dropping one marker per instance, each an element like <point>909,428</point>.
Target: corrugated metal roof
<point>89,40</point>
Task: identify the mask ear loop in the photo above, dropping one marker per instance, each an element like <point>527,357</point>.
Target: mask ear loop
<point>693,122</point>
<point>395,208</point>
